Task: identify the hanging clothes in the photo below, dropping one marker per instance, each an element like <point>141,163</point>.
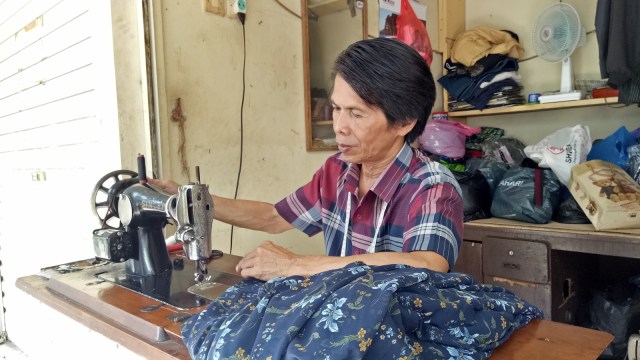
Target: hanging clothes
<point>618,36</point>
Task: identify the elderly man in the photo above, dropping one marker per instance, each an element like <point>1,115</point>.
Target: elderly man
<point>378,200</point>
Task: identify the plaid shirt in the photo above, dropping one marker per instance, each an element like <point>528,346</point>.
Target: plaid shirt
<point>424,210</point>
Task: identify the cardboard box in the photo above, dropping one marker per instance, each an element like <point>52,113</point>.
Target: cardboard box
<point>607,194</point>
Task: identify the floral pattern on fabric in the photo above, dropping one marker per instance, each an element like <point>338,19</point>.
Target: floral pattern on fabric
<point>358,312</point>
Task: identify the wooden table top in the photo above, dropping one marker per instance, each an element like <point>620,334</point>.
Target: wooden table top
<point>106,307</point>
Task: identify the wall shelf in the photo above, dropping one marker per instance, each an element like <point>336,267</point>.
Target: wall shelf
<point>319,145</point>
<point>535,107</point>
<point>324,7</point>
<point>322,122</point>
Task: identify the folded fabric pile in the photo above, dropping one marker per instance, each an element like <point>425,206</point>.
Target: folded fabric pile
<point>358,312</point>
<point>482,71</point>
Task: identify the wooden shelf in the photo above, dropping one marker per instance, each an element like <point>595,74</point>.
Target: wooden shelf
<point>318,145</point>
<point>324,7</point>
<point>322,122</point>
<point>535,107</point>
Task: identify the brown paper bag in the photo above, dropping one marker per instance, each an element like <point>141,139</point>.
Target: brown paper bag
<point>608,195</point>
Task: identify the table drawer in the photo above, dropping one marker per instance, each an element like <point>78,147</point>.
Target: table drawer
<point>538,295</point>
<point>470,259</point>
<point>516,259</point>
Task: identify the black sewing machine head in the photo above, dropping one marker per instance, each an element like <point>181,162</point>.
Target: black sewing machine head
<point>134,214</point>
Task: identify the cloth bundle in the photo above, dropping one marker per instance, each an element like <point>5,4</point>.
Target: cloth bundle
<point>358,312</point>
<point>482,70</point>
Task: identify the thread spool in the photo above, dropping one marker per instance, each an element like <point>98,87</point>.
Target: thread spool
<point>534,98</point>
<point>440,115</point>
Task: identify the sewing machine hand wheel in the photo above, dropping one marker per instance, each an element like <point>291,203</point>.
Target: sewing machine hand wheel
<point>103,205</point>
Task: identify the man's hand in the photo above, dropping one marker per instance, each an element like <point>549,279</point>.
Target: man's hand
<point>168,186</point>
<point>267,261</point>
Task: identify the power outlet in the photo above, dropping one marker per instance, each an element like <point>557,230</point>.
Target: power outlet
<point>239,6</point>
<point>216,7</point>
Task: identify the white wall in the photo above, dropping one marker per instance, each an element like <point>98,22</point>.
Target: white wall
<point>59,118</point>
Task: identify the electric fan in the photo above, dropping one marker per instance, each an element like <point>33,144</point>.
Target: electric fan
<point>556,34</point>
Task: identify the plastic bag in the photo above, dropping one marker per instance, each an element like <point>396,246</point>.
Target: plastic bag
<point>507,150</point>
<point>476,195</point>
<point>613,148</point>
<point>562,150</point>
<point>413,32</point>
<point>570,212</point>
<point>633,163</point>
<point>444,137</point>
<point>492,170</point>
<point>526,194</point>
<point>487,133</point>
<point>616,310</point>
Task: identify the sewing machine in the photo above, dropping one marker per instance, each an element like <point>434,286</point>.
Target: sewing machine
<point>133,216</point>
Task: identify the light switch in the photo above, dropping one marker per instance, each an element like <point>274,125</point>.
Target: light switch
<point>39,176</point>
<point>216,7</point>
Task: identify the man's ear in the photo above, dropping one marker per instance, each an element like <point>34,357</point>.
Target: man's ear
<point>404,129</point>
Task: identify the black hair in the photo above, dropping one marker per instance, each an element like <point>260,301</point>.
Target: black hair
<point>389,74</point>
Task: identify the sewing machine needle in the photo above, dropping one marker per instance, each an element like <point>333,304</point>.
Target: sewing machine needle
<point>202,271</point>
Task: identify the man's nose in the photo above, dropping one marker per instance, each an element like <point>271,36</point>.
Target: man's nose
<point>340,123</point>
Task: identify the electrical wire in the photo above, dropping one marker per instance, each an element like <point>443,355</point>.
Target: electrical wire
<point>244,62</point>
<point>289,10</point>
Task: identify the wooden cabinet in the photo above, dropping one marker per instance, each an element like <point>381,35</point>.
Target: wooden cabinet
<point>470,259</point>
<point>516,259</point>
<point>552,266</point>
<point>520,266</point>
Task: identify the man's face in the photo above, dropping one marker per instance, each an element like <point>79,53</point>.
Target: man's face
<point>362,132</point>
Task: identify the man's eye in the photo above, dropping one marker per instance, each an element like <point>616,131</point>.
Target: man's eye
<point>356,115</point>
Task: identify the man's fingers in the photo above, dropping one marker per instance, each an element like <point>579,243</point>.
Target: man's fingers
<point>244,263</point>
<point>268,260</point>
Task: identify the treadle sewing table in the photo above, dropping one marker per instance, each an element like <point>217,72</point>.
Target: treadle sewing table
<point>116,312</point>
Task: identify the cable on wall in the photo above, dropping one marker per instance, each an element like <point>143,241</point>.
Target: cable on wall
<point>241,16</point>
<point>289,10</point>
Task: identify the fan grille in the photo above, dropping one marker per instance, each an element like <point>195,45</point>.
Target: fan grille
<point>556,32</point>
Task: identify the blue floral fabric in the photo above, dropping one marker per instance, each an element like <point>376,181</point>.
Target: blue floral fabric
<point>358,312</point>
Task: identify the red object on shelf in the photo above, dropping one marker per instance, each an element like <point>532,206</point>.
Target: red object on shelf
<point>604,92</point>
<point>474,153</point>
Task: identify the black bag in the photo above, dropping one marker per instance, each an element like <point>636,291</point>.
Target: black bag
<point>527,193</point>
<point>570,212</point>
<point>616,310</point>
<point>492,170</point>
<point>476,195</point>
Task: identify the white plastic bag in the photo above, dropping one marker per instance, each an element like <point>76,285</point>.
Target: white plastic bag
<point>562,150</point>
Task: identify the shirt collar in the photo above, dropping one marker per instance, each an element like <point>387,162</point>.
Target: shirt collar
<point>386,185</point>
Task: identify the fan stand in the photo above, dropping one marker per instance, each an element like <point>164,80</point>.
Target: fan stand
<point>566,93</point>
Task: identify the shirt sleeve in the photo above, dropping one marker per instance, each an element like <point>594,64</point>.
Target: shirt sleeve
<point>436,222</point>
<point>303,208</point>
